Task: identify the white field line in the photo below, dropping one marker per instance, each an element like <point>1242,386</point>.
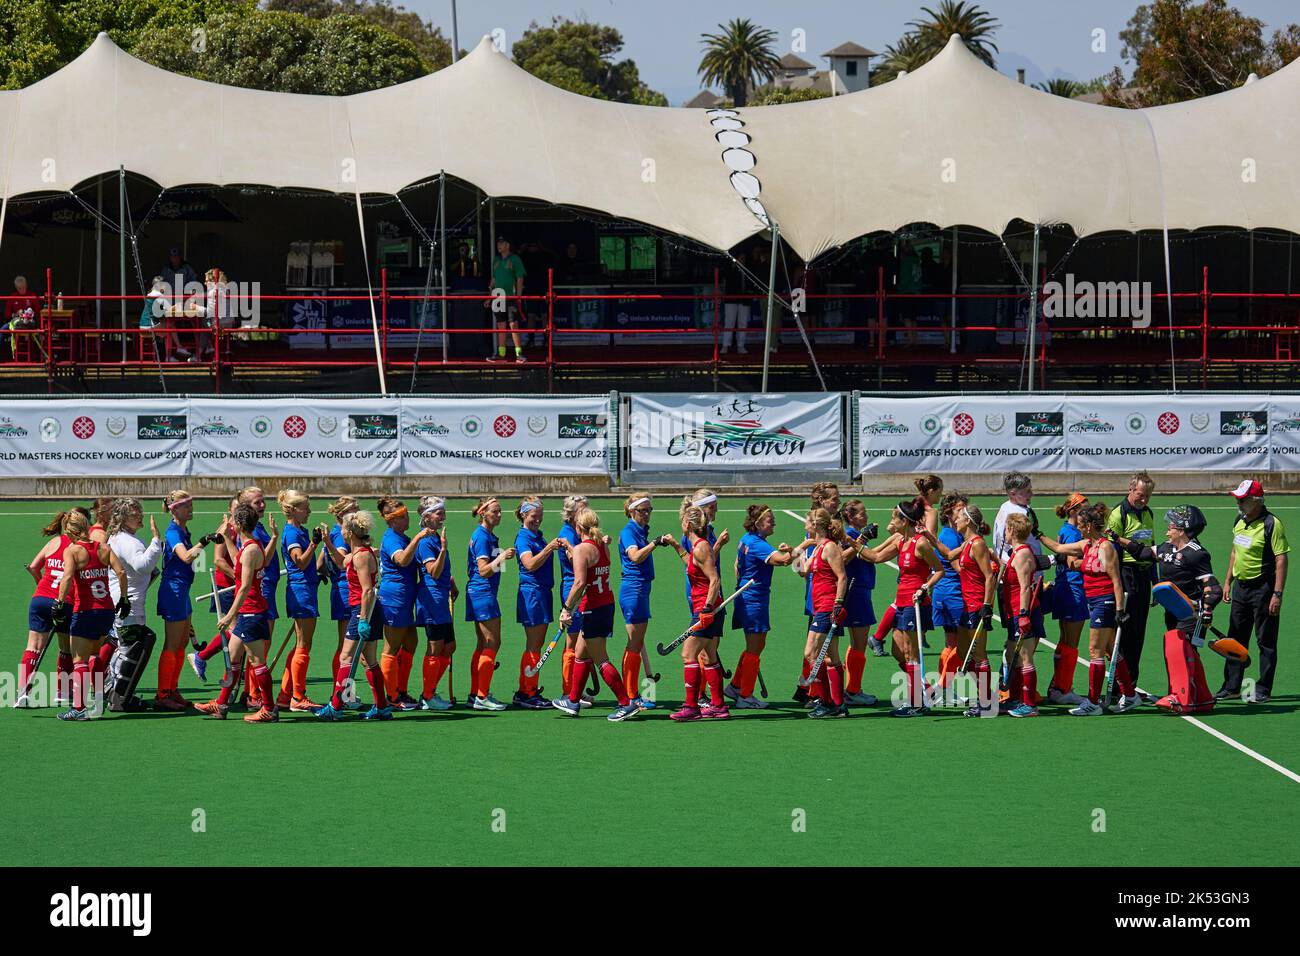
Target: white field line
<point>1231,742</point>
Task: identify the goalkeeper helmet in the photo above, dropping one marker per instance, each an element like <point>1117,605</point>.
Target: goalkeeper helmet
<point>1187,517</point>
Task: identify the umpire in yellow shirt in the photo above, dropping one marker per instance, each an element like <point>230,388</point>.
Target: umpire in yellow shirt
<point>1133,521</point>
<point>1254,583</point>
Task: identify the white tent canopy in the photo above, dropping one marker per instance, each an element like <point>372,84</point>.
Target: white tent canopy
<point>953,143</point>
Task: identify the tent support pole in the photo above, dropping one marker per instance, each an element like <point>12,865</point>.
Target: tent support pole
<point>491,252</point>
<point>1032,321</point>
<point>771,304</point>
<point>952,317</point>
<point>370,291</point>
<point>121,249</point>
<point>442,252</point>
<point>99,254</point>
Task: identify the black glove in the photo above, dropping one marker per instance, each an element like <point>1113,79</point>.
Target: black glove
<point>1122,617</point>
<point>124,606</point>
<point>662,541</point>
<point>986,615</point>
<point>317,536</point>
<point>208,539</point>
<point>60,615</point>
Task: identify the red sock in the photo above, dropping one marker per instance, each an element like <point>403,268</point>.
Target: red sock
<point>375,677</point>
<point>818,686</point>
<point>334,664</point>
<point>80,678</point>
<point>804,672</point>
<point>984,683</point>
<point>26,668</point>
<point>713,677</point>
<point>104,653</point>
<point>835,685</point>
<point>578,678</point>
<point>1029,684</point>
<point>260,678</point>
<point>1124,679</point>
<point>915,691</point>
<point>341,675</point>
<point>1013,680</point>
<point>211,649</point>
<point>614,680</point>
<point>63,666</point>
<point>856,662</point>
<point>1096,678</point>
<point>691,675</point>
<point>1064,660</point>
<point>405,659</point>
<point>886,623</point>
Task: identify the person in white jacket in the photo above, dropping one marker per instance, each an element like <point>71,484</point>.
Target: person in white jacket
<point>130,656</point>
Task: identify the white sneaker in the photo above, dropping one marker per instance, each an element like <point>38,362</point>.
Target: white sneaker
<point>731,692</point>
<point>1086,709</point>
<point>748,703</point>
<point>435,703</point>
<point>586,701</point>
<point>487,703</point>
<point>1125,704</point>
<point>860,699</point>
<point>22,703</point>
<point>1056,696</point>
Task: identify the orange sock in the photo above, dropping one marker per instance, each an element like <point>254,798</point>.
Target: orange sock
<point>948,662</point>
<point>487,660</point>
<point>632,673</point>
<point>434,667</point>
<point>528,685</point>
<point>473,673</point>
<point>566,669</point>
<point>299,664</point>
<point>855,662</point>
<point>169,670</point>
<point>405,661</point>
<point>388,665</point>
<point>286,681</point>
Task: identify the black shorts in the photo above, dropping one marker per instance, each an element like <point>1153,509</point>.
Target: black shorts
<point>440,632</point>
<point>598,622</point>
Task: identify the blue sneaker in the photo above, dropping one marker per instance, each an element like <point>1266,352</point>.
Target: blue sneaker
<point>566,705</point>
<point>644,703</point>
<point>530,702</point>
<point>74,714</point>
<point>199,665</point>
<point>624,712</point>
<point>328,713</point>
<point>907,710</point>
<point>378,713</point>
<point>1024,710</point>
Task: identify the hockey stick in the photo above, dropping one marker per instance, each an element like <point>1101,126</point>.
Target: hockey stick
<point>283,644</point>
<point>546,653</point>
<point>1004,673</point>
<point>1110,668</point>
<point>204,597</point>
<point>664,650</point>
<point>451,671</point>
<point>762,684</point>
<point>806,682</point>
<point>920,647</point>
<point>225,645</point>
<point>645,660</point>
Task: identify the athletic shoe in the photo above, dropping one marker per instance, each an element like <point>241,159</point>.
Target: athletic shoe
<point>1224,694</point>
<point>907,710</point>
<point>405,702</point>
<point>1057,696</point>
<point>198,665</point>
<point>304,704</point>
<point>487,702</point>
<point>213,709</point>
<point>644,703</point>
<point>329,713</point>
<point>133,705</point>
<point>378,713</point>
<point>283,700</point>
<point>357,704</point>
<point>877,647</point>
<point>74,714</point>
<point>800,694</point>
<point>1086,709</point>
<point>828,710</point>
<point>435,703</point>
<point>685,714</point>
<point>973,711</point>
<point>519,358</point>
<point>167,703</point>
<point>1125,704</point>
<point>860,699</point>
<point>1260,697</point>
<point>586,701</point>
<point>183,352</point>
<point>750,703</point>
<point>1146,698</point>
<point>731,692</point>
<point>566,705</point>
<point>811,702</point>
<point>492,357</point>
<point>1023,710</point>
<point>715,713</point>
<point>22,703</point>
<point>624,712</point>
<point>530,701</point>
<point>263,715</point>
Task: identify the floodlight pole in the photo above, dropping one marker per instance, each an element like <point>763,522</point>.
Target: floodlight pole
<point>1033,309</point>
<point>771,304</point>
<point>121,248</point>
<point>455,34</point>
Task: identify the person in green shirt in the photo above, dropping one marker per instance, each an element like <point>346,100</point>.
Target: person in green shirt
<point>507,280</point>
<point>1133,521</point>
<point>1253,586</point>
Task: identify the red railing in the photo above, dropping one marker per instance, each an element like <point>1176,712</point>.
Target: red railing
<point>64,338</point>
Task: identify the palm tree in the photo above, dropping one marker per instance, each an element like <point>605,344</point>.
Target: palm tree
<point>1067,88</point>
<point>902,57</point>
<point>975,25</point>
<point>739,57</point>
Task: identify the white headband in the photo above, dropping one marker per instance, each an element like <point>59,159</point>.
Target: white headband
<point>706,500</point>
<point>527,506</point>
<point>437,505</point>
<point>638,503</point>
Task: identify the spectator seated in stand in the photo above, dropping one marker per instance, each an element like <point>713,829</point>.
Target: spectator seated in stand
<point>21,312</point>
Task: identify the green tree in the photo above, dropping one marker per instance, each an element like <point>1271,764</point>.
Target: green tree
<point>738,58</point>
<point>579,57</point>
<point>774,96</point>
<point>1184,49</point>
<point>975,25</point>
<point>1058,87</point>
<point>433,47</point>
<point>906,55</point>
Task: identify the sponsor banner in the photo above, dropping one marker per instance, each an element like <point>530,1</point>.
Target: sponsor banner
<point>1168,433</point>
<point>733,431</point>
<point>353,314</point>
<point>1283,431</point>
<point>901,435</point>
<point>286,436</point>
<point>71,438</point>
<point>504,436</point>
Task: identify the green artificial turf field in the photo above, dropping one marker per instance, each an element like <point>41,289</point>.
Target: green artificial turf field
<point>766,787</point>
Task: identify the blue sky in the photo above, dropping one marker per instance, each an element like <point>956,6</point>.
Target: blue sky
<point>1049,38</point>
